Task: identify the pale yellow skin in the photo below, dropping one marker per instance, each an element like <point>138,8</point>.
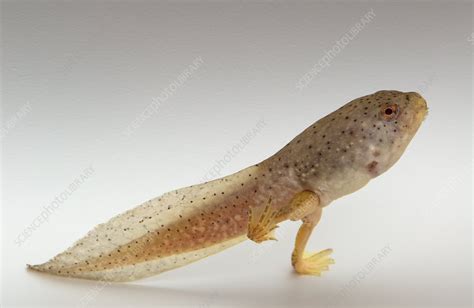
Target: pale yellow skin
<point>336,156</point>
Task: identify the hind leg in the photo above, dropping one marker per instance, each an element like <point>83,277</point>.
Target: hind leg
<point>303,263</point>
<point>264,220</point>
<point>262,224</point>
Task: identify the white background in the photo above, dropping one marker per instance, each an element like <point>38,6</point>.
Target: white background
<point>87,69</point>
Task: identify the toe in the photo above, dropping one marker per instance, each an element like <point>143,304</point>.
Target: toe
<point>320,256</point>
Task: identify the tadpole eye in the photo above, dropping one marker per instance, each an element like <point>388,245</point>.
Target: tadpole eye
<point>389,112</point>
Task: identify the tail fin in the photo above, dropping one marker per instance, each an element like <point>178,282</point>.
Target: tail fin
<point>170,231</point>
<point>134,270</point>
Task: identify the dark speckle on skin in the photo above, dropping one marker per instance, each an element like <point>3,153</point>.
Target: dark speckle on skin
<point>372,167</point>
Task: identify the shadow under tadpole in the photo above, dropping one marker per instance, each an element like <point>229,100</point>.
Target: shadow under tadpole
<point>260,289</point>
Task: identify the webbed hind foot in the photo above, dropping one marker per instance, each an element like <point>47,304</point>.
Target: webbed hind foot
<point>262,227</point>
<point>314,264</point>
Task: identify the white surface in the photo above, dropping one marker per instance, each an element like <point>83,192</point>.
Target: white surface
<point>89,69</point>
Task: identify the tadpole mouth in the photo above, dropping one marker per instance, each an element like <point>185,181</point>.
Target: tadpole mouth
<point>420,106</point>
